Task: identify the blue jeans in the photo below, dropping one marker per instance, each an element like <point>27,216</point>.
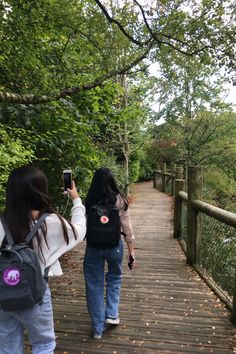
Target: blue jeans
<point>94,268</point>
<point>39,323</point>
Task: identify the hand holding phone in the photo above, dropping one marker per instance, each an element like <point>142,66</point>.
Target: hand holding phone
<point>131,262</point>
<point>67,180</point>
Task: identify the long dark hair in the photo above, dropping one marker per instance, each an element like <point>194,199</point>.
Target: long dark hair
<point>103,188</point>
<point>27,190</point>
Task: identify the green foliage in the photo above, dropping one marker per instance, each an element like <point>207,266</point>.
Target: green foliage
<point>47,46</point>
<point>117,169</point>
<point>13,153</point>
<point>219,189</point>
<point>219,181</point>
<point>218,252</point>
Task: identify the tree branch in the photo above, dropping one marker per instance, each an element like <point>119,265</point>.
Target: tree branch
<point>217,154</point>
<point>112,20</point>
<point>34,99</point>
<point>160,42</point>
<point>137,148</point>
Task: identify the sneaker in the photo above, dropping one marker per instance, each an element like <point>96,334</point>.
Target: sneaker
<point>113,321</point>
<point>97,336</point>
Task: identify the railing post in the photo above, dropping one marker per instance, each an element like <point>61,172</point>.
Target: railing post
<point>179,172</point>
<point>163,176</point>
<point>173,180</point>
<point>233,314</point>
<point>193,220</point>
<point>155,179</point>
<point>179,186</point>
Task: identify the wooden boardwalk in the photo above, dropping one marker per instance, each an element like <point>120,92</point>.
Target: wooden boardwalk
<point>165,307</point>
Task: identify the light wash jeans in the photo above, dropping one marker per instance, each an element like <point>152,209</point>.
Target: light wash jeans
<point>94,268</point>
<point>39,323</point>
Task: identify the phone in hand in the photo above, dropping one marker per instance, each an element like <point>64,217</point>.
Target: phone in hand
<point>131,261</point>
<point>67,179</point>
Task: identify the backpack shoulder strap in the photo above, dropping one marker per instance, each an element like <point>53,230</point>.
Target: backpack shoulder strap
<point>7,232</point>
<point>31,233</point>
<point>35,228</point>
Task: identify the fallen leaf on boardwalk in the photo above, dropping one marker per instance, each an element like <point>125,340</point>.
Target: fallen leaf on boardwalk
<point>148,332</point>
<point>65,353</point>
<point>147,324</point>
<point>218,306</point>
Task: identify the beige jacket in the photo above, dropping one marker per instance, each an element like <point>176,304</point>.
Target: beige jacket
<point>125,220</point>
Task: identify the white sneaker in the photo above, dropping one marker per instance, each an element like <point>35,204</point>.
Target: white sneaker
<point>97,336</point>
<point>113,321</point>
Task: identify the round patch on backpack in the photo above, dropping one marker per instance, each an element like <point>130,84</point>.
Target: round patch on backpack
<point>104,219</point>
<point>11,276</point>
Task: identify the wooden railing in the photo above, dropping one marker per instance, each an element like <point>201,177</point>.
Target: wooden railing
<point>167,178</point>
<point>191,239</point>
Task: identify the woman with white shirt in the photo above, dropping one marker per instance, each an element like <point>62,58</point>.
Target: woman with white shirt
<point>26,200</point>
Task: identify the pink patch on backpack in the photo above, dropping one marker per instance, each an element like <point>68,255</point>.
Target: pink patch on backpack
<point>104,219</point>
<point>11,276</point>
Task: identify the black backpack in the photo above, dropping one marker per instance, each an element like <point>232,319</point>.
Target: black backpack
<point>22,284</point>
<point>103,226</point>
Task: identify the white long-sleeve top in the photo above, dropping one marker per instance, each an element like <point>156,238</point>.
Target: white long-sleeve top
<point>56,245</point>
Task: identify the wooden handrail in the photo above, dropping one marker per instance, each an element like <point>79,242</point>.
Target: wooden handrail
<point>217,213</point>
<point>194,206</point>
<point>183,195</point>
<point>163,173</point>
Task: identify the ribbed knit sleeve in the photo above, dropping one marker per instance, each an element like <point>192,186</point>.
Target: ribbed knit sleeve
<point>125,219</point>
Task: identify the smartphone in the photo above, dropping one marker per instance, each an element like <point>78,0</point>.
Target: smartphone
<point>67,179</point>
<point>131,261</point>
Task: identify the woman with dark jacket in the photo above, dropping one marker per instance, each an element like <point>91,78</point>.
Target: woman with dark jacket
<point>104,190</point>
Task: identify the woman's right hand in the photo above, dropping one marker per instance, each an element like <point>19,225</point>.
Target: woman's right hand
<point>73,192</point>
<point>131,260</point>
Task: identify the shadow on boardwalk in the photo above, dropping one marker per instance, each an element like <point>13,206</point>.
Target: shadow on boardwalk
<point>165,307</point>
